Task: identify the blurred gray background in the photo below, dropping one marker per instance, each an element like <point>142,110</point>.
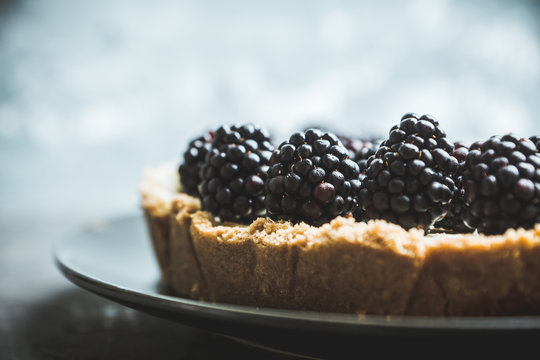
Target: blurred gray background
<point>91,92</point>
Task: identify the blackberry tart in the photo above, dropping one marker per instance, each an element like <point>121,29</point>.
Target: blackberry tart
<point>291,260</point>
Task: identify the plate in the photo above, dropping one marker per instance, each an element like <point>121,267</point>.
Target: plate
<point>115,260</point>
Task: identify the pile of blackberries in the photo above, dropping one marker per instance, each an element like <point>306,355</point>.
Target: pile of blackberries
<point>416,177</point>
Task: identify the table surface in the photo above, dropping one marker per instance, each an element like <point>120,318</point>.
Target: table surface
<point>44,316</point>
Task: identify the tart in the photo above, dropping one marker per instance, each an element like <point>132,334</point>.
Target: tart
<point>346,266</point>
<point>335,247</point>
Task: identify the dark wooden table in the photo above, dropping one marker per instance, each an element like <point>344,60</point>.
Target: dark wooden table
<point>44,316</point>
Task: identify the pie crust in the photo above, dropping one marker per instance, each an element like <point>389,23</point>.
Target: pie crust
<point>344,266</point>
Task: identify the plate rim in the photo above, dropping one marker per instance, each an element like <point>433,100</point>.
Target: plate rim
<point>274,317</point>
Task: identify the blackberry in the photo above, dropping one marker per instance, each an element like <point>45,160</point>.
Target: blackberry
<point>409,179</point>
<point>365,149</point>
<point>352,144</point>
<point>234,171</point>
<point>358,146</point>
<point>311,179</point>
<point>192,161</point>
<point>501,180</point>
<point>453,221</point>
<point>360,149</point>
<point>536,140</point>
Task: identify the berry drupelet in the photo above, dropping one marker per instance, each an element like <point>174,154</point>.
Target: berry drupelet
<point>501,180</point>
<point>409,179</point>
<point>233,173</point>
<point>311,179</point>
<point>453,221</point>
<point>193,160</point>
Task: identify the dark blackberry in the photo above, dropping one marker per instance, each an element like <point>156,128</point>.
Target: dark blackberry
<point>192,161</point>
<point>365,149</point>
<point>536,140</point>
<point>501,179</point>
<point>360,149</point>
<point>409,179</point>
<point>352,144</point>
<point>311,179</point>
<point>453,221</point>
<point>358,146</point>
<point>234,171</point>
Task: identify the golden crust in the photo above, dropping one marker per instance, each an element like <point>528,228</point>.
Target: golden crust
<point>343,266</point>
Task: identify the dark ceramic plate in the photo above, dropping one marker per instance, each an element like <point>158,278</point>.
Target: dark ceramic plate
<point>115,260</point>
